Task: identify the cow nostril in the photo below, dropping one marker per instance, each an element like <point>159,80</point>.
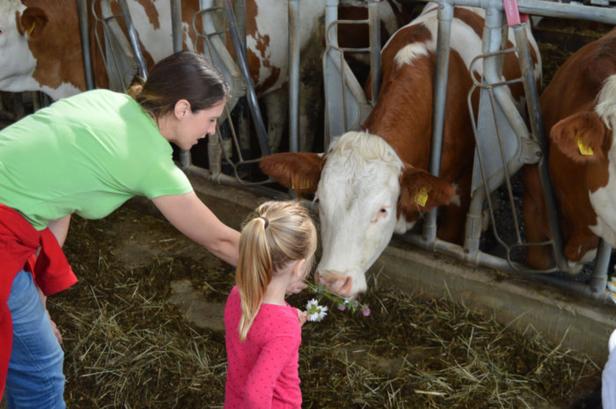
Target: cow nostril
<point>347,286</point>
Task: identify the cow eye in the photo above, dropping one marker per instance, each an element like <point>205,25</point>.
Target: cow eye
<point>382,213</point>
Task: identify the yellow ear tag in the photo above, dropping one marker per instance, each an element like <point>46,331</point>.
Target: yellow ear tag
<point>421,197</point>
<point>584,149</point>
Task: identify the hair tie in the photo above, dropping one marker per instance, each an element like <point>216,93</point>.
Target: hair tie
<point>264,221</point>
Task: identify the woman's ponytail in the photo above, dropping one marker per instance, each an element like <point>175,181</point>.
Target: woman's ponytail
<point>135,87</point>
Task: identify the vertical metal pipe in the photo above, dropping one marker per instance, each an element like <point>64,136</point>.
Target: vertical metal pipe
<point>36,101</point>
<point>491,42</point>
<point>178,45</point>
<point>538,131</point>
<point>375,49</point>
<point>82,11</point>
<point>294,56</point>
<point>240,18</point>
<point>598,280</point>
<point>251,95</point>
<point>133,37</point>
<point>445,16</point>
<point>176,25</point>
<point>214,154</point>
<point>331,39</point>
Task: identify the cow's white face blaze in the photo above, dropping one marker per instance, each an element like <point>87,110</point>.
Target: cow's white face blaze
<point>16,61</point>
<point>358,194</point>
<point>603,200</point>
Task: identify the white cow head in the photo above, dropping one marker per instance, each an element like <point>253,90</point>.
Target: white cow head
<point>364,192</point>
<point>16,60</point>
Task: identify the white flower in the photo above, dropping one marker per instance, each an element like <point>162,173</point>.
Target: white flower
<point>315,312</point>
<point>312,303</point>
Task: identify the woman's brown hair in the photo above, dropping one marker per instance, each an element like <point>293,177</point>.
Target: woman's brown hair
<point>183,75</point>
<point>278,233</point>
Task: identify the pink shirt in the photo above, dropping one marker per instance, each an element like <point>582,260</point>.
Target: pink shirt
<point>263,370</point>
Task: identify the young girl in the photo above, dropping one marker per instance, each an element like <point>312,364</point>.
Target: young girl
<point>263,333</point>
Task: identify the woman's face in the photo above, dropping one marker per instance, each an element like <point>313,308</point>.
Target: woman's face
<point>193,126</point>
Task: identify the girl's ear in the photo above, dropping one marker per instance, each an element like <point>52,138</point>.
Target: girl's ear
<point>299,269</point>
<point>182,107</point>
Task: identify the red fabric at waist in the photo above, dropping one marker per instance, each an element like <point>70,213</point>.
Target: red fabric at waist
<point>19,241</point>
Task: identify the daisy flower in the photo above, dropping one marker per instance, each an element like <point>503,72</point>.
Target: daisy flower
<point>314,311</point>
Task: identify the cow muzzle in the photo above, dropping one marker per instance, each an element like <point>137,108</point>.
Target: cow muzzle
<point>335,282</point>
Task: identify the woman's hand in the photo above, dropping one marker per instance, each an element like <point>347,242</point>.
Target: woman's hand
<point>54,327</point>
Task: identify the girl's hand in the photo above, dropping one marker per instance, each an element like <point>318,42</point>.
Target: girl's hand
<point>302,316</point>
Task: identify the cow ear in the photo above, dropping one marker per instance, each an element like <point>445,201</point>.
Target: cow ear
<point>31,22</point>
<point>421,192</point>
<point>298,171</point>
<point>580,137</point>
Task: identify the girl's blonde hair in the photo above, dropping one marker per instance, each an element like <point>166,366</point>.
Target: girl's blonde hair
<point>278,233</point>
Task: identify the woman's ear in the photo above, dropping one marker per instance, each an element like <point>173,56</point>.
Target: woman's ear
<point>181,109</point>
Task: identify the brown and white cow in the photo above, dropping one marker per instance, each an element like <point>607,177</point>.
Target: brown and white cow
<point>40,43</point>
<point>370,184</point>
<point>579,111</point>
<point>40,48</point>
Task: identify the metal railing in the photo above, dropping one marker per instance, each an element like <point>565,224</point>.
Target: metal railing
<point>500,99</point>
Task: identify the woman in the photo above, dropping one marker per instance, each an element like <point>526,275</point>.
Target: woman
<point>88,154</point>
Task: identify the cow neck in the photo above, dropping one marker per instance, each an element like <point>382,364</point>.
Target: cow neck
<point>407,131</point>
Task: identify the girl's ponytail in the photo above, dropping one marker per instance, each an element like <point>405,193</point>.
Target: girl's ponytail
<point>279,233</point>
<point>253,270</point>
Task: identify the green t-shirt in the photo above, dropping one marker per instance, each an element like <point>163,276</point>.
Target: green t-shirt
<point>86,154</point>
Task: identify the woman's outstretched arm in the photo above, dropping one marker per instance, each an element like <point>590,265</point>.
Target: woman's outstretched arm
<point>197,222</point>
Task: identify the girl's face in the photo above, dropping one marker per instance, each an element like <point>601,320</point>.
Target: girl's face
<point>192,126</point>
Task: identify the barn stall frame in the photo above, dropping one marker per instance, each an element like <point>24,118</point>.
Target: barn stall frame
<point>528,148</point>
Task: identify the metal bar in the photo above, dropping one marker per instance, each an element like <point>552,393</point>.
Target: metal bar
<point>445,17</point>
<point>538,132</point>
<point>240,18</point>
<point>375,49</point>
<point>364,50</point>
<point>133,37</point>
<point>251,95</point>
<point>176,25</point>
<point>490,261</point>
<point>294,61</point>
<point>178,45</point>
<point>331,38</point>
<point>84,31</point>
<point>598,279</point>
<point>490,47</point>
<point>543,8</point>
